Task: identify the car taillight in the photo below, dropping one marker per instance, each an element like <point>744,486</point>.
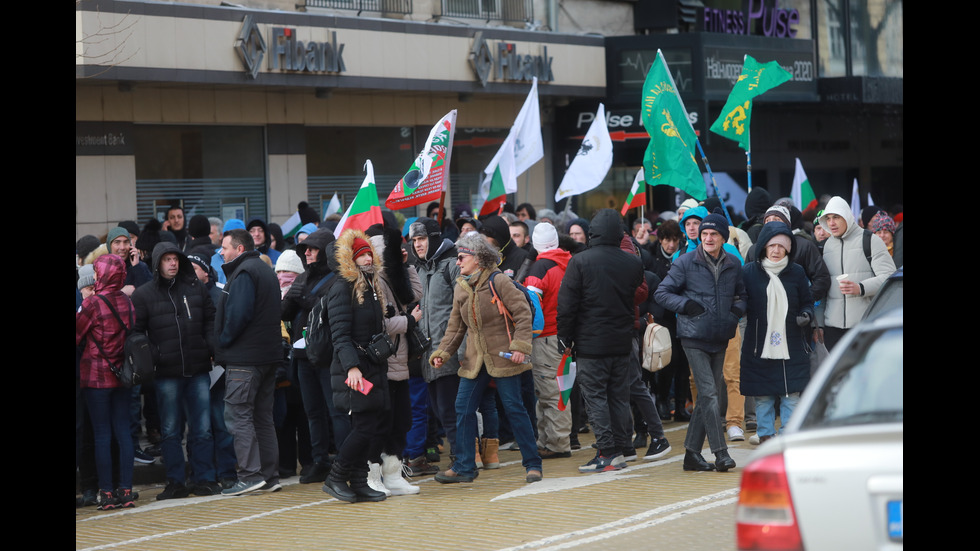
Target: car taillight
<point>765,516</point>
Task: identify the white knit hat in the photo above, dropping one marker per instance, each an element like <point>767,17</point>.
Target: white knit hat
<point>545,237</point>
<point>289,262</point>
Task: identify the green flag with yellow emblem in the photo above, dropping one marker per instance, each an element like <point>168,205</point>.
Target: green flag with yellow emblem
<point>669,157</point>
<point>756,79</point>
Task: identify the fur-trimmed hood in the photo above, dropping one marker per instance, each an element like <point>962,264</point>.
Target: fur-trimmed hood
<point>347,268</point>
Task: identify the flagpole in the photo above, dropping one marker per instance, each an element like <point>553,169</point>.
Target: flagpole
<point>714,186</point>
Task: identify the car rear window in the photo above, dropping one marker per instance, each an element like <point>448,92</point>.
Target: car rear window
<point>867,384</point>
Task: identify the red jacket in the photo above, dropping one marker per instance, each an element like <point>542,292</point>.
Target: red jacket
<point>545,280</point>
<point>95,322</point>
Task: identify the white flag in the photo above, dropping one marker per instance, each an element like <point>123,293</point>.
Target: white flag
<point>871,201</point>
<point>592,162</point>
<point>856,201</point>
<point>333,206</point>
<point>528,147</point>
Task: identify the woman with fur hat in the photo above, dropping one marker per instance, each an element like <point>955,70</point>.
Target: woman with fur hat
<point>479,313</point>
<point>360,384</point>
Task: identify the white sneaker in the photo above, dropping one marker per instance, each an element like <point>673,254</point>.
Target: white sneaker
<point>735,434</point>
<point>391,475</point>
<point>374,479</point>
<point>754,440</point>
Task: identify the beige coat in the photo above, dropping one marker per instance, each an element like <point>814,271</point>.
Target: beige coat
<point>474,312</point>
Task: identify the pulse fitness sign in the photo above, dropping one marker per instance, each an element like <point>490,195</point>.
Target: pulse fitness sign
<point>755,17</point>
<point>287,53</point>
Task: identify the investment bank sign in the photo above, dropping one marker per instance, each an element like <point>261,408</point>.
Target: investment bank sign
<point>285,52</point>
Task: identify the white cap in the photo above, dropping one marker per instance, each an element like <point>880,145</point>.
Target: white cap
<point>545,237</point>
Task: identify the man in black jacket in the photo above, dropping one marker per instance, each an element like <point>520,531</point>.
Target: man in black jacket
<point>176,313</point>
<point>595,320</point>
<point>249,345</point>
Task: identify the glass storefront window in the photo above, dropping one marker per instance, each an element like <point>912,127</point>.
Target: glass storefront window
<point>876,37</point>
<point>206,169</point>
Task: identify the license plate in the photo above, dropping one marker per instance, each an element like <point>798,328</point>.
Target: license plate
<point>896,518</point>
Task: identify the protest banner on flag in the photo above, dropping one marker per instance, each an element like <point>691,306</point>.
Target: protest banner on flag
<point>565,379</point>
<point>802,193</point>
<point>756,79</point>
<point>592,162</point>
<point>638,195</point>
<point>364,211</point>
<point>429,174</point>
<point>669,157</point>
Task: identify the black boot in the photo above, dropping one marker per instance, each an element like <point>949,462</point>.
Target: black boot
<point>336,483</point>
<point>695,462</point>
<point>360,488</point>
<point>723,461</point>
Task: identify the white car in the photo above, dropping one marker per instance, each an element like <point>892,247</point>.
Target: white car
<point>834,479</point>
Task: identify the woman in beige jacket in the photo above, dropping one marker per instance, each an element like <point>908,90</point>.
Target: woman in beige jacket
<point>497,321</point>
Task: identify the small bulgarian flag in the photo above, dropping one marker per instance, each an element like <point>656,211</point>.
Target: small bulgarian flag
<point>365,210</point>
<point>565,378</point>
<point>638,193</point>
<point>801,193</point>
<point>503,172</point>
<point>291,226</point>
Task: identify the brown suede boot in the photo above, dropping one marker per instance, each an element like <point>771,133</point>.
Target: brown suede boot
<point>490,458</point>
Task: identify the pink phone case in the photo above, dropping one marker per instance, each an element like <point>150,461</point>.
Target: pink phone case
<point>366,386</point>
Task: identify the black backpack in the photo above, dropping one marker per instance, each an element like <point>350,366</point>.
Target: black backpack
<point>319,345</point>
<point>137,366</point>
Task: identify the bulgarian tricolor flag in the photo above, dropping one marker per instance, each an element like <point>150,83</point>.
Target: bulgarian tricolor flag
<point>638,193</point>
<point>291,226</point>
<point>496,183</point>
<point>801,193</point>
<point>565,378</point>
<point>429,174</point>
<point>364,211</point>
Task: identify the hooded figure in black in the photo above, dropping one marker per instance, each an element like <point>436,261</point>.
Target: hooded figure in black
<point>516,263</point>
<point>316,252</point>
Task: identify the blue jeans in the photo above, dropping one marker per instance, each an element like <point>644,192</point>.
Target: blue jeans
<point>488,410</point>
<point>108,408</point>
<point>179,398</point>
<point>468,400</point>
<point>415,439</point>
<point>765,411</point>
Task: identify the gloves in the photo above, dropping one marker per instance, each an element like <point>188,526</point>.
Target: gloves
<point>738,312</point>
<point>803,319</point>
<point>693,308</point>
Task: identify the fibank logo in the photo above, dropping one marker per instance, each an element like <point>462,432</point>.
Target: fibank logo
<point>511,65</point>
<point>250,46</point>
<point>287,53</point>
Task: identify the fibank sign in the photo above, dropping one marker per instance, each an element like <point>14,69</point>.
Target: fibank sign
<point>285,52</point>
<point>506,62</point>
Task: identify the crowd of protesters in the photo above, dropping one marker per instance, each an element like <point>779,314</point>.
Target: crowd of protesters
<point>365,359</point>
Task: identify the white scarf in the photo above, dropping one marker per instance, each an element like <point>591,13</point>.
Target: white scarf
<point>777,305</point>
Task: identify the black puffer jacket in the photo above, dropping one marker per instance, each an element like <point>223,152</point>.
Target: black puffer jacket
<point>178,316</point>
<point>352,324</point>
<point>309,286</point>
<point>596,299</point>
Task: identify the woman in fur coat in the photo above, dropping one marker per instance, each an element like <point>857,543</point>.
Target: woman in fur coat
<point>355,304</point>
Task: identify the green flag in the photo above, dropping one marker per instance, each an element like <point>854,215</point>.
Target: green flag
<point>669,158</point>
<point>756,79</point>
